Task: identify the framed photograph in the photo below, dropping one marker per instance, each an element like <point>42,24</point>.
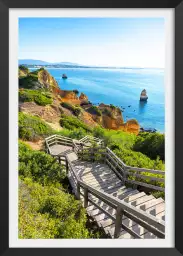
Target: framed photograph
<point>91,156</point>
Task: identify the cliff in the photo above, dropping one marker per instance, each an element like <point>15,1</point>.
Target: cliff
<point>111,116</point>
<point>131,126</point>
<point>23,71</point>
<point>83,98</point>
<point>39,79</point>
<point>108,116</point>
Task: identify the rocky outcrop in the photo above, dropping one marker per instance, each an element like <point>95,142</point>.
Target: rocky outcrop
<point>68,95</point>
<point>143,95</point>
<point>47,80</point>
<point>87,118</point>
<point>23,71</point>
<point>131,126</point>
<point>49,113</point>
<point>108,116</point>
<point>83,98</point>
<point>111,116</point>
<point>64,76</point>
<point>38,79</point>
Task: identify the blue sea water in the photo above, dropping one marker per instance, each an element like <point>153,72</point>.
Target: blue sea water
<point>121,87</point>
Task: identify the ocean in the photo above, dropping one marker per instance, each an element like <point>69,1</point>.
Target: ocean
<point>122,88</point>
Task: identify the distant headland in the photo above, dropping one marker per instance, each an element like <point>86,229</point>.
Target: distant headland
<point>31,63</point>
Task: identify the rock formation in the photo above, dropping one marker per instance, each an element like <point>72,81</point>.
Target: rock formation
<point>38,79</point>
<point>23,71</point>
<point>143,95</point>
<point>108,116</point>
<point>131,126</point>
<point>83,98</point>
<point>64,76</point>
<point>111,116</point>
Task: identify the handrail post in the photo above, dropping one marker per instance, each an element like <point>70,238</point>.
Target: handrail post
<point>67,165</point>
<point>78,190</point>
<point>85,197</point>
<point>118,222</point>
<point>124,174</point>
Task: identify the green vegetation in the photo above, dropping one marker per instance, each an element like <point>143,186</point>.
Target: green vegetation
<point>115,138</point>
<point>49,212</point>
<point>32,127</point>
<point>112,106</point>
<point>39,166</point>
<point>46,209</point>
<point>122,144</point>
<point>70,122</point>
<point>76,92</point>
<point>107,112</point>
<point>24,69</point>
<point>31,80</point>
<point>151,144</point>
<point>38,96</point>
<point>75,133</point>
<point>74,109</point>
<point>94,110</point>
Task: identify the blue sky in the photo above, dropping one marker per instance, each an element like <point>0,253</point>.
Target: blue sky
<point>129,42</point>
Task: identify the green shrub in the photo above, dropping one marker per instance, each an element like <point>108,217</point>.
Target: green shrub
<point>24,68</point>
<point>94,110</point>
<point>151,144</point>
<point>74,134</point>
<point>75,110</point>
<point>39,166</point>
<point>112,106</point>
<point>137,159</point>
<point>48,212</point>
<point>32,128</point>
<point>40,97</point>
<point>70,123</point>
<point>107,112</point>
<point>76,92</point>
<point>111,137</point>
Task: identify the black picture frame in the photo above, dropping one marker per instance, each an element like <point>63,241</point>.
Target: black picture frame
<point>4,124</point>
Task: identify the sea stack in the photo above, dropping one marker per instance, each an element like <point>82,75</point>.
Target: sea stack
<point>143,95</point>
<point>64,76</point>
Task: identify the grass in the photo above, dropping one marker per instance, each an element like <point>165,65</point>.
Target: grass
<point>40,97</point>
<point>70,123</point>
<point>94,110</point>
<point>32,128</point>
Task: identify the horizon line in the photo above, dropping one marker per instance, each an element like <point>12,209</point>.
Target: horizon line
<point>86,65</point>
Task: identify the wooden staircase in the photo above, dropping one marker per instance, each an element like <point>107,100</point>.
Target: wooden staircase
<point>100,182</point>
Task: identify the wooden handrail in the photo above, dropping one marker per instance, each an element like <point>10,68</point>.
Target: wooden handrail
<point>149,222</point>
<point>123,171</point>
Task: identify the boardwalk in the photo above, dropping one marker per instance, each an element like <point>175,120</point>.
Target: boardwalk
<point>142,215</point>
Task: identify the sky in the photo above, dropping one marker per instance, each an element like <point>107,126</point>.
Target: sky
<point>120,42</point>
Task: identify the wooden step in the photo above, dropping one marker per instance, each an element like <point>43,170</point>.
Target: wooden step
<point>156,209</point>
<point>141,200</point>
<point>134,197</point>
<point>112,189</point>
<point>90,178</point>
<point>161,215</point>
<point>127,193</point>
<point>151,203</point>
